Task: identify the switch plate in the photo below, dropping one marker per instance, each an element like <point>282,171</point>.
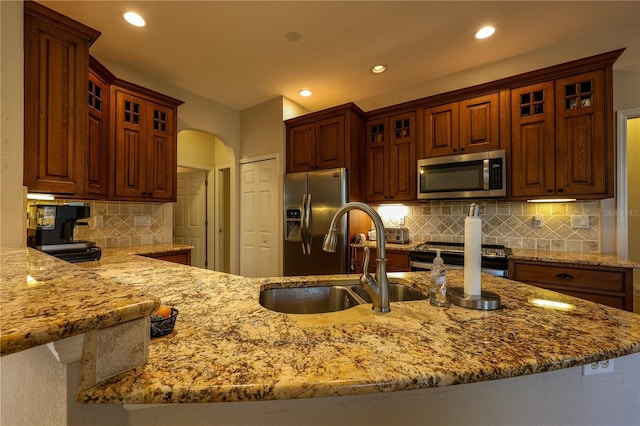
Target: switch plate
<point>599,367</point>
<point>580,222</point>
<point>537,221</point>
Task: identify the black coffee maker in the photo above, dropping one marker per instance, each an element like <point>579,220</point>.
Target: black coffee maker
<point>57,230</point>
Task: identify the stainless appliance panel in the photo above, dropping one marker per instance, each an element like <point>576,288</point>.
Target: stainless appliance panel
<point>328,192</point>
<point>310,201</point>
<point>477,175</point>
<point>294,260</point>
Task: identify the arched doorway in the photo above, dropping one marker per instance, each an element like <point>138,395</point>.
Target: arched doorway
<point>202,213</point>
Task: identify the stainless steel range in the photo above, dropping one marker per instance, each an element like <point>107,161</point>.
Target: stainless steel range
<point>494,259</point>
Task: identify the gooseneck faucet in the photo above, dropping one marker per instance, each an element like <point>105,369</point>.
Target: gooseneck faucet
<point>377,288</point>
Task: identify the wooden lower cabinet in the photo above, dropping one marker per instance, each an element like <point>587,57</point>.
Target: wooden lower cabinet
<point>181,256</point>
<point>397,260</point>
<point>607,285</point>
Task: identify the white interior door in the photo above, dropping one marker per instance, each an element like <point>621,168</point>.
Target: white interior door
<point>190,215</point>
<point>259,219</point>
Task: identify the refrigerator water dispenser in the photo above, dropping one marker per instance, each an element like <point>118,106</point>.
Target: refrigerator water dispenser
<point>294,217</point>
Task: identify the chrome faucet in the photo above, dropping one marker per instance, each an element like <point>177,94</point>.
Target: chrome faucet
<point>377,288</point>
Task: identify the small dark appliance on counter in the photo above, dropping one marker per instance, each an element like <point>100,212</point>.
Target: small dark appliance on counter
<point>58,231</point>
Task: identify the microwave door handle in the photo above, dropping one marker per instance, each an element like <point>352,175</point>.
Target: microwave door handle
<point>485,173</point>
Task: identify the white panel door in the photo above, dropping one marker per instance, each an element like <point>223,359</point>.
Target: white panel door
<point>259,219</point>
<point>190,214</point>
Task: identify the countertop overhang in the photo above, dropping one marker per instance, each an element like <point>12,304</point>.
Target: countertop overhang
<point>226,347</point>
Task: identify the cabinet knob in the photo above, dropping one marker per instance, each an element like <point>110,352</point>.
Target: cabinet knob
<point>560,189</point>
<point>550,190</point>
<point>455,149</point>
<point>144,194</point>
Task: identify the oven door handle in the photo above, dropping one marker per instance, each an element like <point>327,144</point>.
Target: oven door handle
<point>421,265</point>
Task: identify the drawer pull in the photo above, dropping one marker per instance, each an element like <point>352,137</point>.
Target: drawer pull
<point>565,276</point>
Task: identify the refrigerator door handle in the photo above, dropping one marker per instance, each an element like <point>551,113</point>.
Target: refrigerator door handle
<point>303,227</point>
<point>309,225</point>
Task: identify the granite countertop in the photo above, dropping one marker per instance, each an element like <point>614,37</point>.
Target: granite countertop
<point>551,256</point>
<point>590,259</point>
<point>44,299</point>
<point>227,347</point>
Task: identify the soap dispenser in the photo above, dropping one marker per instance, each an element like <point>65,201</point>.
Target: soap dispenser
<point>438,282</point>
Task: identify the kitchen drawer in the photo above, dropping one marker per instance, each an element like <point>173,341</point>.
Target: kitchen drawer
<point>575,277</point>
<point>397,261</point>
<point>610,286</point>
<point>182,256</point>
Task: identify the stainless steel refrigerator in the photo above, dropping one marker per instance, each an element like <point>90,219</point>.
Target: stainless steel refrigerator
<point>310,201</point>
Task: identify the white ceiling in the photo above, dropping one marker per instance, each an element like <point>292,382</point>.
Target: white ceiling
<point>237,53</point>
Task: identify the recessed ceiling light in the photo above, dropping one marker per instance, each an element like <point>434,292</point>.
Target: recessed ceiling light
<point>134,19</point>
<point>485,32</point>
<point>377,69</point>
<point>305,92</point>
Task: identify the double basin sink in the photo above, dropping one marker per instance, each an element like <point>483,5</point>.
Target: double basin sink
<point>329,298</point>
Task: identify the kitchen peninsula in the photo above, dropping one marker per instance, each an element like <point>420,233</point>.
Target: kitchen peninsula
<point>226,347</point>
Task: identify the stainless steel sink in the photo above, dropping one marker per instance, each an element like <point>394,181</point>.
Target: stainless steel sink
<point>329,298</point>
<point>309,300</point>
<point>397,293</point>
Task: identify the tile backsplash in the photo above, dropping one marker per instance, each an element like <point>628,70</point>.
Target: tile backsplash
<point>116,224</point>
<point>510,224</point>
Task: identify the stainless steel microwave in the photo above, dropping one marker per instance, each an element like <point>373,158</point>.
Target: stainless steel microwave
<point>478,175</point>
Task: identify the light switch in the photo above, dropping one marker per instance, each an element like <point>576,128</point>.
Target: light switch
<point>580,222</point>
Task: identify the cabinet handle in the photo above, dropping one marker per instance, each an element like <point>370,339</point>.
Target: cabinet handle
<point>455,149</point>
<point>144,194</point>
<point>559,189</point>
<point>550,190</point>
<point>565,276</point>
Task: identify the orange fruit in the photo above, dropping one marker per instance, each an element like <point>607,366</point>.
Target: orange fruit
<point>163,311</point>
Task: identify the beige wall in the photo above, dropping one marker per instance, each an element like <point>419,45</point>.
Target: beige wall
<point>12,208</point>
<point>633,201</point>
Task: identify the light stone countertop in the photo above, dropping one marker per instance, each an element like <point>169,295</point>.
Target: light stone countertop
<point>550,256</point>
<point>44,299</point>
<point>226,347</point>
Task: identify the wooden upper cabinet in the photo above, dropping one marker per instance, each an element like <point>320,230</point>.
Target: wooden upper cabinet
<point>559,139</point>
<point>329,144</point>
<point>532,141</point>
<point>318,145</point>
<point>377,146</point>
<point>441,130</point>
<point>145,148</point>
<point>471,125</point>
<point>301,152</point>
<point>56,66</point>
<point>98,137</point>
<point>391,158</point>
<point>325,139</point>
<point>583,156</point>
<point>480,124</point>
<point>402,155</point>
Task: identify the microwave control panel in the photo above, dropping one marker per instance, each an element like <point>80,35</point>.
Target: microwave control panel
<point>495,173</point>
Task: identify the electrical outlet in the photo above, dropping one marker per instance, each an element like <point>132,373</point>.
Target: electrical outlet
<point>537,221</point>
<point>599,367</point>
<point>580,222</point>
